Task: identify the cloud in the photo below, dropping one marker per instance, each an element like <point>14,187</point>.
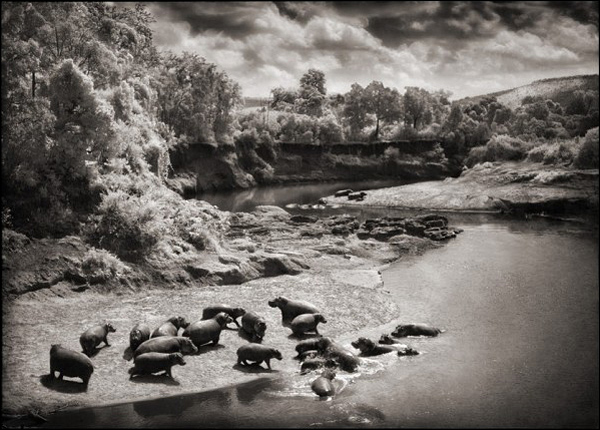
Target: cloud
<point>434,45</point>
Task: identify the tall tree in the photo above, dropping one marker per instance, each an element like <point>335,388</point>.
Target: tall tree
<point>417,102</point>
<point>384,103</point>
<point>311,95</point>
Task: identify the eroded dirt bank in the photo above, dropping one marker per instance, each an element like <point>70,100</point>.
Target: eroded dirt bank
<point>330,262</point>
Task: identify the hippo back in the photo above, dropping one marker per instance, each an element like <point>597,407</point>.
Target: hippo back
<point>203,331</point>
<point>164,344</point>
<point>70,363</point>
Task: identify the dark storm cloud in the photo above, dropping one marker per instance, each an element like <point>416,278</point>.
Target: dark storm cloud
<point>231,18</point>
<point>584,12</point>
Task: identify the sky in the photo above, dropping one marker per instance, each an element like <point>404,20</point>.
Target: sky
<point>468,48</point>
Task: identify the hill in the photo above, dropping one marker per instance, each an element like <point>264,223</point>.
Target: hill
<point>558,89</point>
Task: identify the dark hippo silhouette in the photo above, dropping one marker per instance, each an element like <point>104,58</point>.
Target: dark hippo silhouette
<point>306,322</point>
<point>316,363</point>
<point>70,363</point>
<point>206,331</point>
<point>92,337</point>
<point>386,339</point>
<point>368,348</point>
<point>170,327</point>
<point>331,349</point>
<point>323,385</point>
<point>257,353</point>
<point>234,313</point>
<point>138,335</point>
<point>404,330</point>
<point>167,345</point>
<point>154,362</point>
<point>290,309</point>
<point>306,345</point>
<point>254,325</point>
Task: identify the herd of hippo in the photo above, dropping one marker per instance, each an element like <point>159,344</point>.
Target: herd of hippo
<point>161,349</point>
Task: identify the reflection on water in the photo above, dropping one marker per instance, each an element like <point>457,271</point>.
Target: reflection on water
<point>518,300</point>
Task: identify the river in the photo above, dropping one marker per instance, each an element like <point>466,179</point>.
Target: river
<point>518,301</point>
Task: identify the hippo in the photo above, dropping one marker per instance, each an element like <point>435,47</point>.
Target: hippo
<point>306,345</point>
<point>316,363</point>
<point>306,322</point>
<point>70,363</point>
<point>331,349</point>
<point>154,362</point>
<point>290,309</point>
<point>170,327</point>
<point>254,325</point>
<point>311,353</point>
<point>257,353</point>
<point>92,337</point>
<point>369,348</point>
<point>234,313</point>
<point>323,385</point>
<point>404,330</point>
<point>205,331</point>
<point>138,335</point>
<point>167,344</point>
<point>386,339</point>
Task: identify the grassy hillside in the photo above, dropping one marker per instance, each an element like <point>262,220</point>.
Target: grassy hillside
<point>558,89</point>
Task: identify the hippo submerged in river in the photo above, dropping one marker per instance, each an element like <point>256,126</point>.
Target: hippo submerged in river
<point>368,348</point>
<point>404,330</point>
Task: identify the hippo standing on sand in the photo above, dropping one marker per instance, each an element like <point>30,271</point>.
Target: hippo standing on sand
<point>290,309</point>
<point>404,330</point>
<point>70,363</point>
<point>254,325</point>
<point>167,344</point>
<point>154,362</point>
<point>257,353</point>
<point>205,331</point>
<point>170,327</point>
<point>306,322</point>
<point>92,337</point>
<point>139,334</point>
<point>234,313</point>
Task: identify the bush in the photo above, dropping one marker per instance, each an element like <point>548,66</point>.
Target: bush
<point>562,152</point>
<point>499,148</point>
<point>587,156</point>
<point>100,265</point>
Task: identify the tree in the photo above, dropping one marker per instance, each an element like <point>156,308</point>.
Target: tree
<point>311,96</point>
<point>355,110</point>
<point>383,102</point>
<point>417,103</point>
<point>314,79</point>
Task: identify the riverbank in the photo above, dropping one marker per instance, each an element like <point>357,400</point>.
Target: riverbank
<point>493,187</point>
<point>264,254</point>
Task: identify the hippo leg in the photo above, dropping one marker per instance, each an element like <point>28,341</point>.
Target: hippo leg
<point>60,375</point>
<point>237,323</point>
<point>106,340</point>
<point>268,361</point>
<point>239,361</point>
<point>168,372</point>
<point>86,381</point>
<point>216,340</point>
<point>316,331</point>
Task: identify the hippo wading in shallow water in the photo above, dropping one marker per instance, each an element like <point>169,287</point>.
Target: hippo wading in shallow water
<point>139,334</point>
<point>92,337</point>
<point>404,330</point>
<point>234,313</point>
<point>323,385</point>
<point>170,327</point>
<point>306,345</point>
<point>154,362</point>
<point>368,348</point>
<point>167,345</point>
<point>206,331</point>
<point>257,353</point>
<point>254,325</point>
<point>316,363</point>
<point>290,309</point>
<point>328,348</point>
<point>70,363</point>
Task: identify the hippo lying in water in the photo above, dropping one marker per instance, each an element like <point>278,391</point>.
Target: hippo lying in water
<point>404,330</point>
<point>369,348</point>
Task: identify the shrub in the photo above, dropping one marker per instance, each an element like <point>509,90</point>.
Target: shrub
<point>561,152</point>
<point>587,156</point>
<point>99,265</point>
<point>498,148</point>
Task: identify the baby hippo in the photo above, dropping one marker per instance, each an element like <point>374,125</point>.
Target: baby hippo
<point>306,345</point>
<point>139,334</point>
<point>369,348</point>
<point>167,345</point>
<point>415,330</point>
<point>290,309</point>
<point>92,337</point>
<point>323,385</point>
<point>316,363</point>
<point>170,327</point>
<point>306,322</point>
<point>257,353</point>
<point>70,363</point>
<point>154,362</point>
<point>206,331</point>
<point>234,313</point>
<point>254,325</point>
<point>386,339</point>
<point>306,355</point>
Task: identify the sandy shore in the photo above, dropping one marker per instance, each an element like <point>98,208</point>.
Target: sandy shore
<point>340,276</point>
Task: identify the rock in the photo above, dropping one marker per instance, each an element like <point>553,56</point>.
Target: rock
<point>274,211</point>
<point>384,233</point>
<point>303,219</point>
<point>342,193</point>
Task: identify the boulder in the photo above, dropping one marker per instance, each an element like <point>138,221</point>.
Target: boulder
<point>304,219</point>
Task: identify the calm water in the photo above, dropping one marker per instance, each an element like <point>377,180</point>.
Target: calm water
<point>519,303</point>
